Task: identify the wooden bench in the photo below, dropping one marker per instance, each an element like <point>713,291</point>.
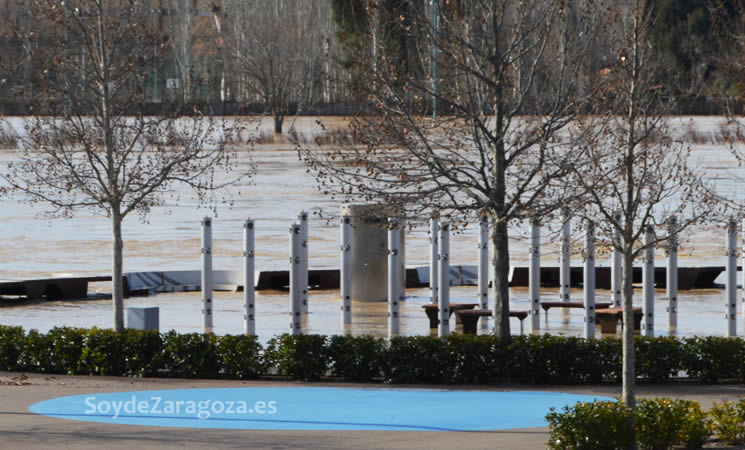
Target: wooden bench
<point>470,318</point>
<point>559,304</point>
<point>608,319</point>
<point>433,310</point>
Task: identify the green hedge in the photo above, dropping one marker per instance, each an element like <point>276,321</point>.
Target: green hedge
<point>465,359</point>
<point>660,423</point>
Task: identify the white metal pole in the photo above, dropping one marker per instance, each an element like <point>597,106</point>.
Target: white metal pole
<point>295,279</point>
<point>346,271</point>
<point>731,285</point>
<point>302,218</point>
<point>616,262</point>
<point>394,276</point>
<point>648,282</point>
<point>483,271</point>
<point>589,281</point>
<point>565,267</point>
<point>207,274</point>
<point>249,294</point>
<point>534,276</point>
<point>443,303</point>
<point>671,277</point>
<point>434,275</point>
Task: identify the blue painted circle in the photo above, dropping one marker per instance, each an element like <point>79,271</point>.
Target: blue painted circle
<point>315,408</point>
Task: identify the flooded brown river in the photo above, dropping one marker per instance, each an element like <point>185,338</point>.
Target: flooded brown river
<point>36,247</point>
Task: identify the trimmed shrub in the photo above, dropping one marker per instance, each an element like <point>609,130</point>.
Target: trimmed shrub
<point>12,342</point>
<point>477,359</point>
<point>658,359</point>
<point>419,359</point>
<point>592,426</point>
<point>729,421</point>
<point>663,423</point>
<point>191,355</point>
<point>241,356</point>
<point>712,358</point>
<point>58,351</point>
<point>302,357</point>
<point>555,359</point>
<point>130,352</point>
<point>356,358</point>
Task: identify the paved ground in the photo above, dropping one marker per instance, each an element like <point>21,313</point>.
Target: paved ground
<point>21,429</point>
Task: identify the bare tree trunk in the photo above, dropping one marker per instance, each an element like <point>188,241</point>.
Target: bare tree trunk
<point>117,290</point>
<point>628,378</point>
<point>501,292</point>
<point>278,120</point>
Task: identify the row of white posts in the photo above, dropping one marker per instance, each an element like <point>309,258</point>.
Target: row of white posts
<point>439,275</point>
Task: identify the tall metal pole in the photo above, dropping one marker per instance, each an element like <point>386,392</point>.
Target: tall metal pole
<point>346,271</point>
<point>616,262</point>
<point>295,280</point>
<point>565,267</point>
<point>731,285</point>
<point>589,281</point>
<point>303,221</point>
<point>207,274</point>
<point>534,276</point>
<point>443,303</point>
<point>434,252</point>
<point>394,276</point>
<point>671,277</point>
<point>249,294</point>
<point>648,283</point>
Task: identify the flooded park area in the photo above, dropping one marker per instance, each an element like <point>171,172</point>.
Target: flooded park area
<point>168,239</point>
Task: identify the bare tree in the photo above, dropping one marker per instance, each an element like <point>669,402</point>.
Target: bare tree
<point>631,162</point>
<point>488,150</point>
<point>94,148</point>
<point>276,50</point>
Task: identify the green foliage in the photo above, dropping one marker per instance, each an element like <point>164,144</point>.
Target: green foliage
<point>57,351</point>
<point>478,359</point>
<point>713,358</point>
<point>658,359</point>
<point>592,426</point>
<point>551,359</point>
<point>130,352</point>
<point>419,359</point>
<point>729,421</point>
<point>302,357</point>
<point>12,341</point>
<point>191,355</point>
<point>241,356</point>
<point>356,358</point>
<point>663,423</point>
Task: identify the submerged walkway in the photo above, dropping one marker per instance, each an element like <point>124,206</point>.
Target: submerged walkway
<point>20,428</point>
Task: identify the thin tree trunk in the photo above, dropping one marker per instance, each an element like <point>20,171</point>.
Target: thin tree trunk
<point>628,379</point>
<point>501,274</point>
<point>117,290</point>
<point>278,120</point>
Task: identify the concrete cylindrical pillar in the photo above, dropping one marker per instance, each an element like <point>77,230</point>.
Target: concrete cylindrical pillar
<point>534,276</point>
<point>296,280</point>
<point>648,282</point>
<point>207,285</point>
<point>731,284</point>
<point>369,252</point>
<point>589,281</point>
<point>302,219</point>
<point>394,277</point>
<point>434,252</point>
<point>345,276</point>
<point>249,293</point>
<point>671,276</point>
<point>443,301</point>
